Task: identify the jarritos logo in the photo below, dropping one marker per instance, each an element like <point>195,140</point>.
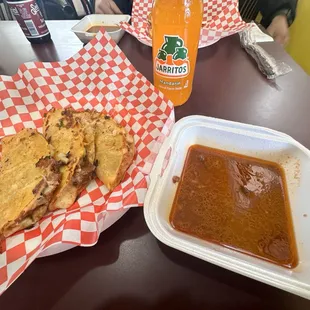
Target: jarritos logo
<point>172,60</point>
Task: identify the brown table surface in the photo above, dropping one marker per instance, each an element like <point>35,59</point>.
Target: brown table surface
<point>129,268</point>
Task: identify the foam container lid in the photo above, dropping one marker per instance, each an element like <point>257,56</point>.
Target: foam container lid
<point>247,140</point>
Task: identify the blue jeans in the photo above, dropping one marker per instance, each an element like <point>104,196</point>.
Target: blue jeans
<point>124,5</point>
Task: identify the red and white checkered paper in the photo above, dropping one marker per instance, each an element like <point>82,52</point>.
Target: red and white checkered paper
<point>221,18</point>
<point>99,77</point>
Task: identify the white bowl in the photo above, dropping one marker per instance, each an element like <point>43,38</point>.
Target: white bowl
<point>246,140</point>
<point>99,19</point>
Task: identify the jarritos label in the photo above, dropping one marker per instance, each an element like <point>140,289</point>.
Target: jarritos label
<point>172,58</point>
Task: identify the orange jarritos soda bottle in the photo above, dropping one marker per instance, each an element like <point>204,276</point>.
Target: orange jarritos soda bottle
<point>176,29</point>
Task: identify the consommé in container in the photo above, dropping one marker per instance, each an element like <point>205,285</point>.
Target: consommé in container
<point>87,28</point>
<point>247,140</point>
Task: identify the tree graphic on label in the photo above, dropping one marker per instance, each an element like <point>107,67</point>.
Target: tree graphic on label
<point>172,57</point>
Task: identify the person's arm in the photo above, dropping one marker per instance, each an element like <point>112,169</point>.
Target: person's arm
<point>272,8</point>
<point>113,6</point>
<point>278,15</point>
<point>106,7</point>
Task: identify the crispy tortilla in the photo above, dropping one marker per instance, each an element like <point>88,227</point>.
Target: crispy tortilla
<point>29,176</point>
<point>87,120</point>
<point>115,151</point>
<point>65,135</point>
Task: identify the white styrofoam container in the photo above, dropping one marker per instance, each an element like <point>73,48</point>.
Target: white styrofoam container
<point>99,19</point>
<point>246,140</point>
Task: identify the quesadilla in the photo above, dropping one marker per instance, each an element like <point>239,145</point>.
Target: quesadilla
<point>115,151</point>
<point>108,145</point>
<point>29,177</point>
<point>87,120</point>
<point>65,135</point>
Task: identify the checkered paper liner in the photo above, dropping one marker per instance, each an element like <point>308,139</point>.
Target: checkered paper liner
<point>99,77</point>
<point>221,18</point>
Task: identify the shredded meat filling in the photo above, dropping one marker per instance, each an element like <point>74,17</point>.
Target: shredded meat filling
<point>83,173</point>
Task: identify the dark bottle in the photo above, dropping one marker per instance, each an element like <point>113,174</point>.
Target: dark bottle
<point>31,20</point>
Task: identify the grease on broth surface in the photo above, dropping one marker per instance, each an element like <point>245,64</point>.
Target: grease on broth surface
<point>238,202</point>
<point>96,28</point>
